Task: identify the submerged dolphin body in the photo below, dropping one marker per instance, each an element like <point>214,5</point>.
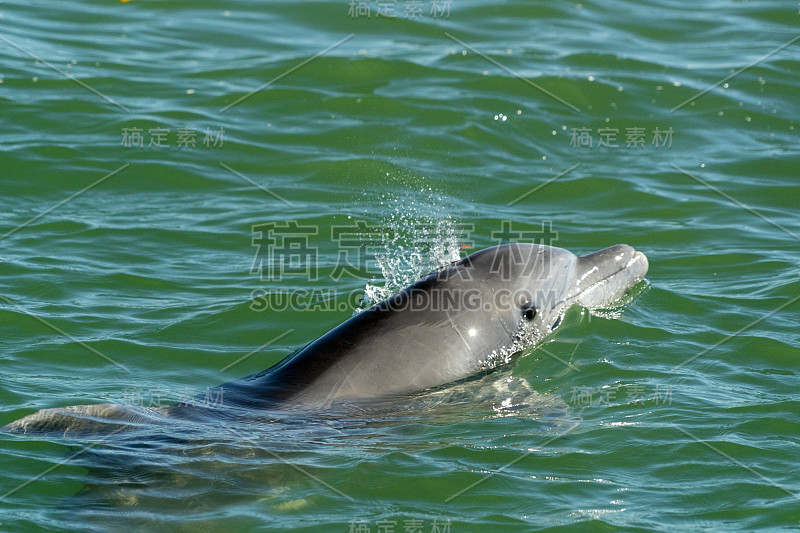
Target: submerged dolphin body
<point>461,319</point>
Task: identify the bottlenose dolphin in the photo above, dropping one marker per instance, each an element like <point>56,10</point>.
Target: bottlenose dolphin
<point>464,318</point>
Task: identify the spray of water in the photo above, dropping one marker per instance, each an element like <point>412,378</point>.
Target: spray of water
<point>420,236</point>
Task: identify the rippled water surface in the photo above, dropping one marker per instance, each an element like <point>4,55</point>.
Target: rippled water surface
<point>152,150</point>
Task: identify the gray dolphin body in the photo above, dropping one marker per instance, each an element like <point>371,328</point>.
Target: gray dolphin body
<point>459,320</point>
<point>464,318</point>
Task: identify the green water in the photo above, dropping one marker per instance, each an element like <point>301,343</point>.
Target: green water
<point>449,131</point>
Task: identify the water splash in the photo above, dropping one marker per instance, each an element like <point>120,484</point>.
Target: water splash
<point>420,236</point>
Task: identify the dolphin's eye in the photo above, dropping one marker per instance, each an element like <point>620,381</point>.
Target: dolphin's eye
<point>556,323</point>
<point>529,312</point>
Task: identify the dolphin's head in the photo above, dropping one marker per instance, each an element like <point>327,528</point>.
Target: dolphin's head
<point>593,281</point>
<point>547,280</point>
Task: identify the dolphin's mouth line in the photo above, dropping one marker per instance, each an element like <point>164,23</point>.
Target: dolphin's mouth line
<point>637,256</point>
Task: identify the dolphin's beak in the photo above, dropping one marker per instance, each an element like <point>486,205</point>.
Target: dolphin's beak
<point>605,276</point>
